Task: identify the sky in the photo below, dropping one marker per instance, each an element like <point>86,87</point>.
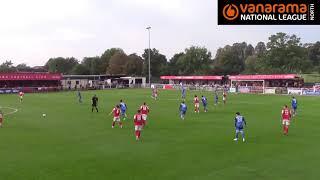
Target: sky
<point>33,31</point>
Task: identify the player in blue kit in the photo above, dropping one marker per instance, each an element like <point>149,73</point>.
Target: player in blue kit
<point>239,123</point>
<point>183,110</point>
<point>123,108</point>
<point>79,96</point>
<point>294,104</point>
<point>216,99</point>
<point>183,92</point>
<point>204,103</point>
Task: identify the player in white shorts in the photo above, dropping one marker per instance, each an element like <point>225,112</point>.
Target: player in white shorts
<point>144,111</point>
<point>116,116</point>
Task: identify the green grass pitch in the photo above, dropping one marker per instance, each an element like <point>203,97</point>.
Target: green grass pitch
<point>72,143</point>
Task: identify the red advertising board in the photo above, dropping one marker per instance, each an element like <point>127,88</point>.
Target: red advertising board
<point>30,76</point>
<point>263,77</point>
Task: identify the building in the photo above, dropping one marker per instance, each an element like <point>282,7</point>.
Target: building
<point>101,81</point>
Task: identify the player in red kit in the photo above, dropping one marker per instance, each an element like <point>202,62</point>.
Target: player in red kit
<point>155,93</point>
<point>116,116</point>
<point>144,109</point>
<point>286,118</point>
<point>196,104</point>
<point>138,124</point>
<point>224,97</point>
<point>21,94</point>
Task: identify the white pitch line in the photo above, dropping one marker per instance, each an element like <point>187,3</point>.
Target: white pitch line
<point>15,110</point>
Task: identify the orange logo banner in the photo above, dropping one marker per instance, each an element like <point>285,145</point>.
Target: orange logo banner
<point>272,12</point>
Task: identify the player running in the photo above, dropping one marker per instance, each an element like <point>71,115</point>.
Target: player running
<point>196,104</point>
<point>204,103</point>
<point>239,123</point>
<point>79,96</point>
<point>183,92</point>
<point>216,99</point>
<point>155,93</point>
<point>1,119</point>
<point>183,110</point>
<point>286,118</point>
<point>21,94</point>
<point>224,97</point>
<point>138,124</point>
<point>123,108</point>
<point>144,111</point>
<point>95,103</point>
<point>294,104</point>
<point>116,116</point>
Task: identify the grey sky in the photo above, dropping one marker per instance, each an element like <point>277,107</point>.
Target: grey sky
<point>33,31</point>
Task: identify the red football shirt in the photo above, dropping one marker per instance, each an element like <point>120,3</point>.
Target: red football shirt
<point>116,112</point>
<point>286,114</point>
<point>144,109</point>
<point>196,100</point>
<point>138,121</point>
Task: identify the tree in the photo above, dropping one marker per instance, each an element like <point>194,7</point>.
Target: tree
<point>105,59</point>
<point>23,68</point>
<point>248,51</point>
<point>231,59</point>
<point>314,53</point>
<point>260,49</point>
<point>173,66</point>
<point>118,64</point>
<point>252,65</point>
<point>158,63</point>
<point>130,65</point>
<point>81,69</point>
<point>285,54</point>
<point>92,64</point>
<point>134,65</point>
<point>61,65</point>
<point>194,61</point>
<point>6,67</point>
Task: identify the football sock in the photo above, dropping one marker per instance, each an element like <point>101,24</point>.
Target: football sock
<point>242,134</point>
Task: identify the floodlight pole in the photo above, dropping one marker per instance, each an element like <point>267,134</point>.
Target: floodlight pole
<point>149,56</point>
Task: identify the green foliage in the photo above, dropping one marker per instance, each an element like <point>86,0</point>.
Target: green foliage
<point>285,54</point>
<point>231,59</point>
<point>93,64</point>
<point>23,68</point>
<point>61,65</point>
<point>120,63</point>
<point>7,66</point>
<point>194,61</point>
<point>105,59</point>
<point>314,53</point>
<point>134,65</point>
<point>158,63</point>
<point>81,69</point>
<point>173,66</point>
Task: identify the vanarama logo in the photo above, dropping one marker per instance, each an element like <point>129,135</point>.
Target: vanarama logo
<point>268,12</point>
<point>230,12</point>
